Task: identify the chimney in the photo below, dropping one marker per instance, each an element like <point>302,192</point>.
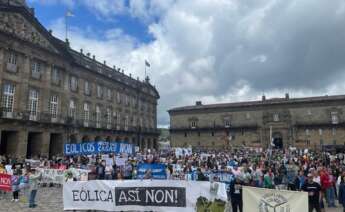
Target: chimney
<point>105,62</point>
<point>287,97</point>
<point>88,54</point>
<point>81,51</point>
<point>263,98</point>
<point>198,103</point>
<point>67,42</point>
<point>130,75</point>
<point>93,57</point>
<point>123,71</point>
<point>50,31</point>
<point>32,11</point>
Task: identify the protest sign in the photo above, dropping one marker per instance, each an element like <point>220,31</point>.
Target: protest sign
<point>141,195</point>
<point>5,182</point>
<point>120,161</point>
<point>157,170</point>
<point>33,163</point>
<point>57,176</point>
<point>100,147</point>
<point>52,176</point>
<point>259,199</point>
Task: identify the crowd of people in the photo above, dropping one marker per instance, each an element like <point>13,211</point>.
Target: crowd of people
<point>321,174</point>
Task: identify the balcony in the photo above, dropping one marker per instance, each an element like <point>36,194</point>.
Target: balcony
<point>214,128</point>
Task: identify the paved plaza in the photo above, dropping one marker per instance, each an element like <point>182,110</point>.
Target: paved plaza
<point>50,200</point>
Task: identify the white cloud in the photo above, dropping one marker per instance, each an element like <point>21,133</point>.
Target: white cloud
<point>225,50</point>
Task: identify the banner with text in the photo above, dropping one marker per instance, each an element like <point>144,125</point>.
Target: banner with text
<point>268,200</point>
<point>5,182</point>
<point>101,147</point>
<point>141,195</point>
<point>157,170</point>
<point>57,176</point>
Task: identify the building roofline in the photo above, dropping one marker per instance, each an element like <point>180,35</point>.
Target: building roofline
<point>267,102</point>
<point>66,51</point>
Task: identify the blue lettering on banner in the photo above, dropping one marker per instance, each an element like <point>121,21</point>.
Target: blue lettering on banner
<point>100,147</point>
<point>157,170</point>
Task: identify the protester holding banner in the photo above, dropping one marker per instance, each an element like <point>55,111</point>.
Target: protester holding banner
<point>15,185</point>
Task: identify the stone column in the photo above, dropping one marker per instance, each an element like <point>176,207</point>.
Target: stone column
<point>45,144</point>
<point>22,143</point>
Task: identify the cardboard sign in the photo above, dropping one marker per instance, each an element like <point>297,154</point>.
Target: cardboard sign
<point>5,182</point>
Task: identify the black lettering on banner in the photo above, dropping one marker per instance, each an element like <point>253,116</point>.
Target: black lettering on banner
<point>151,196</point>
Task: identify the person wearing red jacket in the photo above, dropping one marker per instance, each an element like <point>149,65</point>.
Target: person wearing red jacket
<point>327,187</point>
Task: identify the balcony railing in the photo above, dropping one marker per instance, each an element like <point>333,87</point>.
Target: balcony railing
<point>47,118</point>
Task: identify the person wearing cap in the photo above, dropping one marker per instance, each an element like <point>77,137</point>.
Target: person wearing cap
<point>313,190</point>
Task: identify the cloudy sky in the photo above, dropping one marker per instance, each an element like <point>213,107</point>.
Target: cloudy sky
<point>212,50</point>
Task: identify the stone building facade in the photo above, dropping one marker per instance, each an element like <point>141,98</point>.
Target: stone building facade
<point>52,94</point>
<point>314,122</point>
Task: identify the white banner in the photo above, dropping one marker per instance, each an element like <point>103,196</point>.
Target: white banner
<point>57,176</point>
<point>141,195</point>
<point>269,200</point>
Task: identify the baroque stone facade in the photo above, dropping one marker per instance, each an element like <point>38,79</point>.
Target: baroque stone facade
<point>314,122</point>
<point>52,94</point>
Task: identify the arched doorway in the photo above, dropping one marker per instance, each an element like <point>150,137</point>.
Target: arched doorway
<point>85,139</point>
<point>98,138</point>
<point>108,139</point>
<point>73,139</point>
<point>277,140</point>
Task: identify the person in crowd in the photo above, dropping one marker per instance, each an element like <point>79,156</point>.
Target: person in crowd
<point>15,186</point>
<point>34,179</point>
<point>313,190</point>
<point>341,193</point>
<point>236,194</point>
<point>327,187</point>
<point>100,170</point>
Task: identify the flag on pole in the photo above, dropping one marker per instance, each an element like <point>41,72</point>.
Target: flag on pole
<point>69,13</point>
<point>147,63</point>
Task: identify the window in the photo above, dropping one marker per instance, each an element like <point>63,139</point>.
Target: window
<point>33,104</point>
<point>72,109</point>
<point>86,115</point>
<point>134,122</point>
<point>276,117</point>
<point>127,100</point>
<point>53,106</point>
<point>320,132</point>
<point>198,134</point>
<point>212,133</point>
<point>247,115</point>
<point>36,70</point>
<point>307,132</point>
<point>309,113</point>
<point>73,83</point>
<point>98,116</point>
<point>87,89</point>
<point>99,91</point>
<point>108,118</point>
<point>12,58</point>
<point>118,97</point>
<point>126,122</point>
<point>109,93</point>
<point>334,131</point>
<point>193,124</point>
<point>118,120</point>
<point>55,75</point>
<point>334,117</point>
<point>8,97</point>
<point>227,123</point>
<point>185,134</point>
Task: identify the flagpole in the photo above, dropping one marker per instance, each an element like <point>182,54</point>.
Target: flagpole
<point>66,26</point>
